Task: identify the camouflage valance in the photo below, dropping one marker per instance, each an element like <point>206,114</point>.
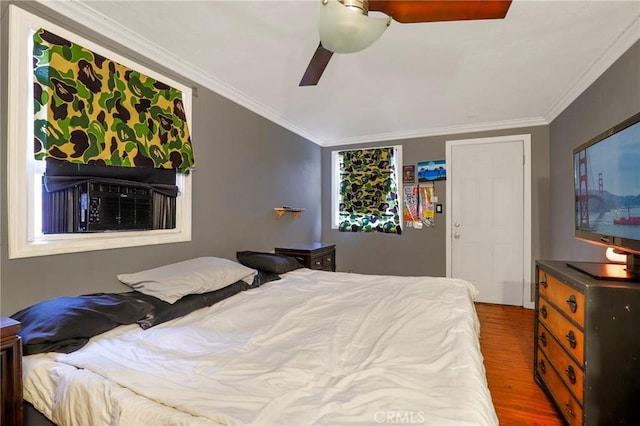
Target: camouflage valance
<point>91,110</point>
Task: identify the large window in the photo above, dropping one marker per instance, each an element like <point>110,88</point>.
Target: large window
<point>366,190</point>
<point>24,171</point>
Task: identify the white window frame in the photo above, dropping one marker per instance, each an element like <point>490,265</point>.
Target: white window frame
<point>22,168</point>
<point>335,182</point>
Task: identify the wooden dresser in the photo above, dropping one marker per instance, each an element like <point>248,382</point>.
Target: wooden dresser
<point>312,255</point>
<point>11,372</point>
<point>587,350</point>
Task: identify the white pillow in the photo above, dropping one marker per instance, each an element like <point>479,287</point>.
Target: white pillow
<point>195,276</point>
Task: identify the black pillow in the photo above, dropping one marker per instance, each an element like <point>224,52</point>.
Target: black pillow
<point>264,277</point>
<point>163,311</point>
<point>269,262</point>
<point>66,324</point>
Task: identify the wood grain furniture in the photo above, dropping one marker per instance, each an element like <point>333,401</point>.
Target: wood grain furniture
<point>587,346</point>
<point>11,372</point>
<point>312,255</point>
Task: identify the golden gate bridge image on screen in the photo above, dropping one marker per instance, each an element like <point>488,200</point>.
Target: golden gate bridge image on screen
<point>623,215</point>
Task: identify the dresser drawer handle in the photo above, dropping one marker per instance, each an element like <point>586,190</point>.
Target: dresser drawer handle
<point>571,374</point>
<point>543,311</point>
<point>318,262</point>
<point>543,366</point>
<point>543,281</point>
<point>571,338</point>
<point>569,410</point>
<point>543,338</point>
<point>573,303</point>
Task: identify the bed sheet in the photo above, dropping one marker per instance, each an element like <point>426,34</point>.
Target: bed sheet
<point>313,348</point>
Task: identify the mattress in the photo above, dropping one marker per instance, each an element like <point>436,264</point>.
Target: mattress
<point>315,347</point>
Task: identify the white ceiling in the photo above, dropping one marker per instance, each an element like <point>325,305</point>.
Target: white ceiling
<point>416,80</point>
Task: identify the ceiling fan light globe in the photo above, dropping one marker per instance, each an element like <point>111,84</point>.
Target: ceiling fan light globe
<point>345,30</point>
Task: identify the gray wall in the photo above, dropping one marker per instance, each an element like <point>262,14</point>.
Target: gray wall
<point>422,251</point>
<point>246,167</point>
<point>612,98</point>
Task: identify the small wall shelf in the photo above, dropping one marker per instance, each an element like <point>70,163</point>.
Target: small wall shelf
<point>282,210</point>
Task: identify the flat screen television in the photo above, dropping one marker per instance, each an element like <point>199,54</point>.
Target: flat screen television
<point>607,198</point>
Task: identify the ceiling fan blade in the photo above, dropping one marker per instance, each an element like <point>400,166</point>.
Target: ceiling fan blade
<point>412,11</point>
<point>316,66</point>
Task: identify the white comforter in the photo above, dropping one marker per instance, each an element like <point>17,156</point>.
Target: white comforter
<point>313,348</point>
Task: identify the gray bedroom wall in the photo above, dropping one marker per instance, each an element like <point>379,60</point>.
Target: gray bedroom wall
<point>612,98</point>
<point>422,251</point>
<point>246,166</point>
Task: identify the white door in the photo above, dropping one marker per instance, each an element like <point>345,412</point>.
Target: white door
<point>487,242</point>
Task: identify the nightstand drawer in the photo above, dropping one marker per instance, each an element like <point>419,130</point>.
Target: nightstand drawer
<point>327,261</point>
<point>324,261</point>
<point>316,262</point>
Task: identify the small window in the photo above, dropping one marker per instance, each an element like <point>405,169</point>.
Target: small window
<point>366,190</point>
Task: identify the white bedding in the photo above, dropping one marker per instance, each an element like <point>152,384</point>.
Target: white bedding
<point>313,348</point>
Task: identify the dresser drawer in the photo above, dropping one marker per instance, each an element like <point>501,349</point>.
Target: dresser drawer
<point>566,298</point>
<point>570,372</point>
<point>570,336</point>
<point>569,407</point>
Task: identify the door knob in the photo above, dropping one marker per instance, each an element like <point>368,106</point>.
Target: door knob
<point>456,235</point>
<point>457,224</point>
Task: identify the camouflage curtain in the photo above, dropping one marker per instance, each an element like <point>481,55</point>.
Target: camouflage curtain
<point>368,191</point>
<point>91,110</point>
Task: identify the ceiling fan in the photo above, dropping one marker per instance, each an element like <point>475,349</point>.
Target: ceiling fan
<point>346,27</point>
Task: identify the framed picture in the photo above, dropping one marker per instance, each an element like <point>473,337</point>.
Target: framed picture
<point>432,170</point>
<point>408,174</point>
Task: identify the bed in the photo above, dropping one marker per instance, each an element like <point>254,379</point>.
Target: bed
<point>302,347</point>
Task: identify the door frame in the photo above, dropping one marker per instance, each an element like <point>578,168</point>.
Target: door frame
<point>525,139</point>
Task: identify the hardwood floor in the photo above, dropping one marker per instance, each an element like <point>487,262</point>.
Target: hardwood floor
<point>506,340</point>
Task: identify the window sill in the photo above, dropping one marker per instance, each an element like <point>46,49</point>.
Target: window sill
<point>73,243</point>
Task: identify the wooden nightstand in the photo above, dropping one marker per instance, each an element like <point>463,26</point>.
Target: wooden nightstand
<point>312,255</point>
<point>11,372</point>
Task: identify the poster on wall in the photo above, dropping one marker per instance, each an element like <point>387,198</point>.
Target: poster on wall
<point>427,205</point>
<point>432,170</point>
<point>419,206</point>
<point>411,216</point>
<point>408,174</point>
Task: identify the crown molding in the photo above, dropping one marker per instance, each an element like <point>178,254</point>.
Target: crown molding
<point>611,53</point>
<point>442,131</point>
<point>84,15</point>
